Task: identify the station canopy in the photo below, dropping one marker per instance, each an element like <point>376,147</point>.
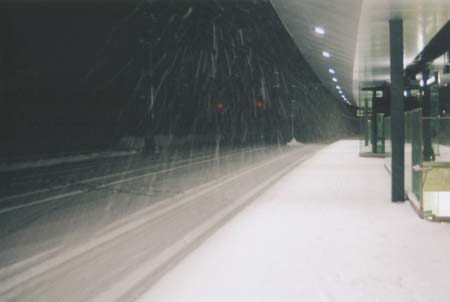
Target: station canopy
<point>346,42</point>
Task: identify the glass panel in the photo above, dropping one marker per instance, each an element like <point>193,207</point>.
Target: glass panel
<point>387,142</point>
<point>365,138</point>
<point>436,184</point>
<point>414,156</point>
<point>409,123</point>
<point>380,133</point>
<point>365,122</point>
<point>443,140</point>
<point>416,143</point>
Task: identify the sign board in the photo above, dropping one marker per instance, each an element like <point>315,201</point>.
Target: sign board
<point>361,113</point>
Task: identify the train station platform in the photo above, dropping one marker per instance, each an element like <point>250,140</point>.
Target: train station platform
<point>327,231</point>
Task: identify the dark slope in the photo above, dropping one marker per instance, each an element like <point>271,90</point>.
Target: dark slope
<point>164,68</point>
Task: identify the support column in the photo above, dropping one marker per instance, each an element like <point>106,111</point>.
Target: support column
<point>428,153</point>
<point>397,111</point>
<point>366,120</point>
<point>374,124</point>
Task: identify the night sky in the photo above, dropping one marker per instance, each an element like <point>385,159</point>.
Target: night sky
<point>47,51</point>
<point>74,76</point>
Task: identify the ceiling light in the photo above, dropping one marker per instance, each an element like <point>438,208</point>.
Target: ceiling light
<point>335,80</point>
<point>331,71</point>
<point>326,54</point>
<point>431,80</point>
<point>338,87</point>
<point>319,30</point>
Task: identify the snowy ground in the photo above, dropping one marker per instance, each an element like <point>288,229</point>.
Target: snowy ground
<point>325,232</point>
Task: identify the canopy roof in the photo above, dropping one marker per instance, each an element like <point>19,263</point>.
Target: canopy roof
<point>356,36</point>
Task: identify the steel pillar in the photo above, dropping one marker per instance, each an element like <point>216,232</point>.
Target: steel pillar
<point>374,125</point>
<point>428,153</point>
<point>397,111</point>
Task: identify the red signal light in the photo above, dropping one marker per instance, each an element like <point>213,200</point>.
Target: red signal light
<point>259,104</point>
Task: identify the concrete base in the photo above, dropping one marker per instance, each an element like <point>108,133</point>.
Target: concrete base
<point>371,155</point>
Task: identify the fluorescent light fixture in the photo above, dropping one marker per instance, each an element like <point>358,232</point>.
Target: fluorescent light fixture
<point>335,80</point>
<point>405,93</point>
<point>338,87</point>
<point>331,71</point>
<point>340,91</point>
<point>421,83</point>
<point>326,54</point>
<point>431,80</point>
<point>319,30</point>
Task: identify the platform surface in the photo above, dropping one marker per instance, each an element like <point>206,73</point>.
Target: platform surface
<point>326,232</point>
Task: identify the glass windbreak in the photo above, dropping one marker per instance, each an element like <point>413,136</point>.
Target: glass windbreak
<point>436,174</point>
<point>441,138</point>
<point>365,135</point>
<point>387,142</point>
<point>414,153</point>
<point>365,122</point>
<point>427,162</point>
<point>380,133</point>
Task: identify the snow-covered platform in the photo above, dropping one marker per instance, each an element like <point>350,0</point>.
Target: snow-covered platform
<point>326,232</point>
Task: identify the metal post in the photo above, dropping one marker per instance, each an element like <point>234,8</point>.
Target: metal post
<point>292,119</point>
<point>428,152</point>
<point>397,110</point>
<point>276,91</point>
<point>374,123</point>
<point>366,120</point>
<point>427,143</point>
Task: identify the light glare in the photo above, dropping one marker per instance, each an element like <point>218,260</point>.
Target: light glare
<point>319,30</point>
